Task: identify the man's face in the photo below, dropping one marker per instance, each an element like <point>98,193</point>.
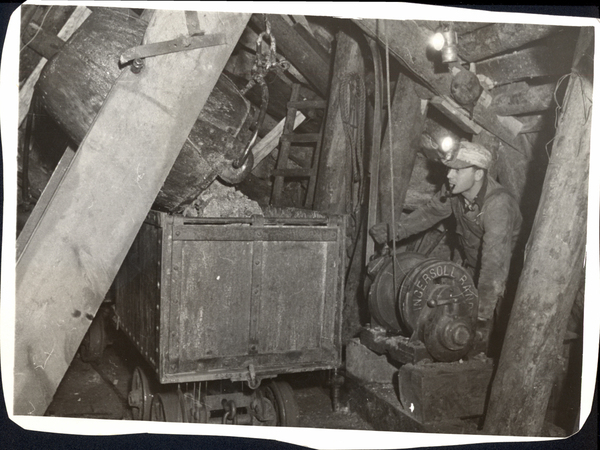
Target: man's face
<point>461,180</point>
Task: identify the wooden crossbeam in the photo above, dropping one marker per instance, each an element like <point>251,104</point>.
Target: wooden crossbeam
<point>500,37</point>
<point>538,61</point>
<point>520,98</point>
<point>271,140</point>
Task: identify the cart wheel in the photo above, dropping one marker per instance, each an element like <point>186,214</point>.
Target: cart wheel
<point>168,407</point>
<point>94,342</point>
<point>281,396</point>
<point>140,395</point>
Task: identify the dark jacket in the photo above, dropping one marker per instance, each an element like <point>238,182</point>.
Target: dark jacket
<point>487,232</point>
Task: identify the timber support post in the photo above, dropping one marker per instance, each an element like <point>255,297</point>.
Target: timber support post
<point>408,119</point>
<point>553,268</point>
<point>333,179</point>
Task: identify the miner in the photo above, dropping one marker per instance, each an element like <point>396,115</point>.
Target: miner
<point>488,223</point>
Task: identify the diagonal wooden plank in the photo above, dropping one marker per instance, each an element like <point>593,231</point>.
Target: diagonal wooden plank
<point>271,140</point>
<point>103,198</point>
<point>500,37</point>
<point>538,61</point>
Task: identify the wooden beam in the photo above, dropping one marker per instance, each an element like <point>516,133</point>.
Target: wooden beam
<point>538,61</point>
<point>88,226</point>
<point>499,38</point>
<point>44,200</point>
<point>334,172</point>
<point>456,114</point>
<point>521,98</point>
<point>408,119</point>
<point>271,140</point>
<point>492,122</point>
<point>552,271</point>
<point>298,51</point>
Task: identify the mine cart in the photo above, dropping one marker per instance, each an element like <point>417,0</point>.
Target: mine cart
<point>219,307</point>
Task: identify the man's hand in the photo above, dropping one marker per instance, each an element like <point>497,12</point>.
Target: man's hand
<point>380,233</point>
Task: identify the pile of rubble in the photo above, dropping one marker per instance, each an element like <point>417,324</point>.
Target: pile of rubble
<point>219,200</point>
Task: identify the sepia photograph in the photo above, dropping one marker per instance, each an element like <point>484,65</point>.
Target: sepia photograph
<point>286,221</point>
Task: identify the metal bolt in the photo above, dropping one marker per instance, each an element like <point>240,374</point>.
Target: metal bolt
<point>137,65</point>
<point>175,267</point>
<point>177,233</point>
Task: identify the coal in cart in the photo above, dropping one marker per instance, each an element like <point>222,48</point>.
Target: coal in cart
<point>220,307</point>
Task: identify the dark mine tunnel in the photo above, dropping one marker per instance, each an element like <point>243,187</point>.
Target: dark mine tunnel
<point>302,221</point>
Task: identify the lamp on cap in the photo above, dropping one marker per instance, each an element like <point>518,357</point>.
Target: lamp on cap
<point>470,154</point>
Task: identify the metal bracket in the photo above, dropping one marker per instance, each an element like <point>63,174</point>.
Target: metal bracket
<point>172,46</point>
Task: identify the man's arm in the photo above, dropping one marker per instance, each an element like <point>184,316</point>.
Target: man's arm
<point>434,211</point>
<point>499,220</point>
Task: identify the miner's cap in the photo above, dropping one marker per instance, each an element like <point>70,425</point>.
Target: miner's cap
<point>470,154</point>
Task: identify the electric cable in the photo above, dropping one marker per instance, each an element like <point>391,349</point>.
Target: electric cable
<point>390,130</point>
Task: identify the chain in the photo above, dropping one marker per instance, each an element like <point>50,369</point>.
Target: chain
<point>265,62</point>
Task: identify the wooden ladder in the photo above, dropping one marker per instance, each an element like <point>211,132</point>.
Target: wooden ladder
<point>287,138</point>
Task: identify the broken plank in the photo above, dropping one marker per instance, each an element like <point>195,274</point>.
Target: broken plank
<point>74,253</point>
<point>500,37</point>
<point>521,98</point>
<point>539,61</point>
<point>271,140</point>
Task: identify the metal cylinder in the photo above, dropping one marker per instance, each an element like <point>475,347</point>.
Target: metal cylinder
<point>427,299</point>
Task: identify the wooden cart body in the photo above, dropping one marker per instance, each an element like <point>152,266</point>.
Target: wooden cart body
<point>240,299</point>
